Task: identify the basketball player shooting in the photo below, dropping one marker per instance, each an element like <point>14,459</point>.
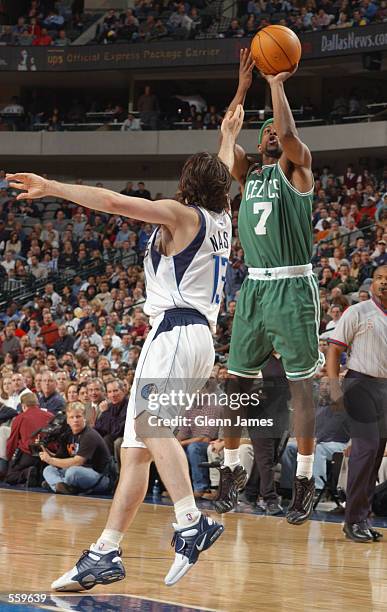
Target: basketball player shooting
<point>185,269</point>
<point>278,306</point>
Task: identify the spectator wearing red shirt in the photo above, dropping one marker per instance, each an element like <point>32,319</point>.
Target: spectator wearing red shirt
<point>31,419</point>
<point>49,330</point>
<point>140,326</point>
<point>43,40</point>
<point>355,213</point>
<point>370,209</point>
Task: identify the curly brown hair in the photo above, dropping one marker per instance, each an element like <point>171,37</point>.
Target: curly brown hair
<point>205,181</point>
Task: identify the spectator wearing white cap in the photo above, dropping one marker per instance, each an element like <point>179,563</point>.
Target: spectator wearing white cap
<point>379,257</point>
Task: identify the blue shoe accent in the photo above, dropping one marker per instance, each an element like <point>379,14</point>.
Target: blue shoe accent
<point>91,569</point>
<point>189,542</point>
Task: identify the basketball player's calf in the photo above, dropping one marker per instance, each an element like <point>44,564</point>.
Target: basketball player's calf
<point>194,532</point>
<point>301,505</point>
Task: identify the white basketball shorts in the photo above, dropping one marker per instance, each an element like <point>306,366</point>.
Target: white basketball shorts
<point>177,357</point>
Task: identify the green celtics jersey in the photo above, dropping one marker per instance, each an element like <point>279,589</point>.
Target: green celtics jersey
<point>275,220</point>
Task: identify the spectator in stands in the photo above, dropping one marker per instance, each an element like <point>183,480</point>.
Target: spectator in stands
<point>111,422</point>
<point>96,393</point>
<point>50,399</point>
<point>62,380</point>
<point>85,463</point>
<point>43,39</point>
<point>37,269</point>
<point>141,192</point>
<point>130,124</point>
<point>366,267</point>
<point>179,23</point>
<point>235,30</point>
<point>128,190</point>
<point>18,389</point>
<point>49,330</point>
<point>343,280</point>
<point>8,262</point>
<point>53,21</point>
<point>10,343</point>
<point>381,258</point>
<point>6,390</point>
<point>331,437</point>
<point>335,312</point>
<point>90,334</point>
<point>61,40</point>
<point>18,445</point>
<point>65,342</point>
<point>195,439</point>
<point>148,107</point>
<point>129,28</point>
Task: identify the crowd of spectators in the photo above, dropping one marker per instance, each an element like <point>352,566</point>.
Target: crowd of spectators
<point>155,111</point>
<point>49,22</point>
<point>45,23</point>
<point>309,16</point>
<point>152,113</point>
<point>75,337</point>
<point>151,20</point>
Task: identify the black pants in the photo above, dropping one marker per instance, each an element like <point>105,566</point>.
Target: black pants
<point>274,395</point>
<point>18,472</point>
<point>365,401</point>
<point>261,479</point>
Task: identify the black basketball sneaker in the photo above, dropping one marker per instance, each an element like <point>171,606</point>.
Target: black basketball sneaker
<point>91,569</point>
<point>230,483</point>
<point>301,506</point>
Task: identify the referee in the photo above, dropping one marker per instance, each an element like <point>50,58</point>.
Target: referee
<point>362,330</point>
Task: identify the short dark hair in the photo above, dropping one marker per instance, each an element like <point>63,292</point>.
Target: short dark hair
<point>205,181</point>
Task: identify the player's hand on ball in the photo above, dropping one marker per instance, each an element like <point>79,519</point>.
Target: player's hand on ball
<point>31,185</point>
<point>279,78</point>
<point>232,122</point>
<point>246,66</point>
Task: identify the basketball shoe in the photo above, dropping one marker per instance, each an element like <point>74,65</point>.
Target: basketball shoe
<point>189,542</point>
<point>230,483</point>
<point>301,506</point>
<point>91,569</point>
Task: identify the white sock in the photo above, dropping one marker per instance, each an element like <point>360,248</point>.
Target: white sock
<point>109,540</point>
<point>186,511</point>
<point>304,465</point>
<point>231,458</point>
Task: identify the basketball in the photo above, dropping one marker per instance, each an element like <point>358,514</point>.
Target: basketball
<point>276,49</point>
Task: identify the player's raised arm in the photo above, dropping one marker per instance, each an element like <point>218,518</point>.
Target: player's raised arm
<point>246,64</point>
<point>164,212</point>
<point>294,149</point>
<point>231,126</point>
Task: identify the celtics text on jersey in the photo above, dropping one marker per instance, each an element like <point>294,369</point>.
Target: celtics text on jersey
<point>275,220</point>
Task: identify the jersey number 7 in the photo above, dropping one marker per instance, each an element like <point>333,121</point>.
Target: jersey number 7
<point>266,208</point>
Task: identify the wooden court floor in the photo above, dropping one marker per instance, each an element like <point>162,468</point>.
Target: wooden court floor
<point>259,564</point>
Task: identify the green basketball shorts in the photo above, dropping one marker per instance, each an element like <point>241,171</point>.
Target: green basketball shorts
<point>279,314</point>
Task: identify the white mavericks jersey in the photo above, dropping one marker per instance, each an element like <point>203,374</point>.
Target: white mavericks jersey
<point>194,278</point>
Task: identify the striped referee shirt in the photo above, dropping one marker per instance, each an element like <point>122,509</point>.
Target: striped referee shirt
<point>363,329</point>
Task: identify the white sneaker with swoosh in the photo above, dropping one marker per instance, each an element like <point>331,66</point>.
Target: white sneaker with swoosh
<point>189,542</point>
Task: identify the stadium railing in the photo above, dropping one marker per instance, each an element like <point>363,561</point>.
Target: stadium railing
<point>23,290</point>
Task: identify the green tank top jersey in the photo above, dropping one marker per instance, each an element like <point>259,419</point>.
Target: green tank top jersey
<point>275,220</point>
